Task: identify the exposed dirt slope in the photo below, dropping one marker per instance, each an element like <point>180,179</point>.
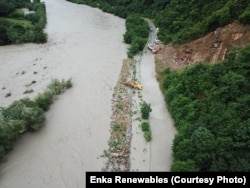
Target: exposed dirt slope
<point>211,48</point>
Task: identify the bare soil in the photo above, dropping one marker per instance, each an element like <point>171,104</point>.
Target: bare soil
<point>211,48</point>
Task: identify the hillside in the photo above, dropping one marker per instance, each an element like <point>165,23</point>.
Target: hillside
<point>209,103</point>
<point>210,48</point>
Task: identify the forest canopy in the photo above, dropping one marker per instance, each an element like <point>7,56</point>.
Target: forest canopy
<point>17,26</point>
<point>210,108</point>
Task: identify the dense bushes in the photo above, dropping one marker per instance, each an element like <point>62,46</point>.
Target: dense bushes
<point>145,110</point>
<point>137,31</point>
<point>17,27</point>
<point>210,107</point>
<point>145,126</point>
<point>6,7</point>
<point>198,18</point>
<point>245,16</point>
<point>27,115</point>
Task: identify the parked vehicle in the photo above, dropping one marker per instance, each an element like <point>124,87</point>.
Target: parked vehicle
<point>157,41</point>
<point>154,48</point>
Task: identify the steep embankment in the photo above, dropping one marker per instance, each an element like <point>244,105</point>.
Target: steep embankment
<point>210,48</point>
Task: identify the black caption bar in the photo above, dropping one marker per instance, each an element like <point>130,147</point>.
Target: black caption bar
<point>167,179</point>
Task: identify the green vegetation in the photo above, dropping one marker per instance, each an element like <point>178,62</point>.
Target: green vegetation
<point>137,31</point>
<point>179,21</point>
<point>145,126</point>
<point>210,107</point>
<point>26,115</point>
<point>18,27</point>
<point>145,110</point>
<point>124,8</point>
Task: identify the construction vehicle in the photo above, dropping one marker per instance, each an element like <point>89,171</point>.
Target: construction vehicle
<point>133,85</point>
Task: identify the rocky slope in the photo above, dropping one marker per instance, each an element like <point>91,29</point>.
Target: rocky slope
<point>210,48</point>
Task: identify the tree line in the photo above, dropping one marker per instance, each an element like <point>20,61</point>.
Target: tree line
<point>183,21</point>
<point>179,21</point>
<point>137,31</point>
<point>18,27</point>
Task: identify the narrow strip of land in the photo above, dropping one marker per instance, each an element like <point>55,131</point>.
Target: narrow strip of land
<point>128,149</point>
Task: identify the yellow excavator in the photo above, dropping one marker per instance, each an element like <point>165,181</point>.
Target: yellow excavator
<point>133,85</point>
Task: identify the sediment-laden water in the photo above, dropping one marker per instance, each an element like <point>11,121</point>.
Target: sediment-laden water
<point>86,45</point>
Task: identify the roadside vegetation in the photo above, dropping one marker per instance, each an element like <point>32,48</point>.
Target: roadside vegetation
<point>137,31</point>
<point>26,115</point>
<point>17,26</point>
<point>145,126</point>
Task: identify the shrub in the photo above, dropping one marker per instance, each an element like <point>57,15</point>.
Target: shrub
<point>148,136</point>
<point>145,126</point>
<point>27,111</point>
<point>44,100</point>
<point>147,131</point>
<point>57,87</point>
<point>67,83</point>
<point>145,110</point>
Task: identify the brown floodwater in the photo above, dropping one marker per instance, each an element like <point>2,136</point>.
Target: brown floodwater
<point>86,45</point>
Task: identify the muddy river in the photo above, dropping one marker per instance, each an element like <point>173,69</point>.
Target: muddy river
<point>87,46</point>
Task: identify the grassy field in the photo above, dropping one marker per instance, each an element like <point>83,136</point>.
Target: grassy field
<point>13,21</point>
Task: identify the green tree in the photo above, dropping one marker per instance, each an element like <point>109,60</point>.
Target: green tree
<point>203,146</point>
<point>184,166</point>
<point>6,7</point>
